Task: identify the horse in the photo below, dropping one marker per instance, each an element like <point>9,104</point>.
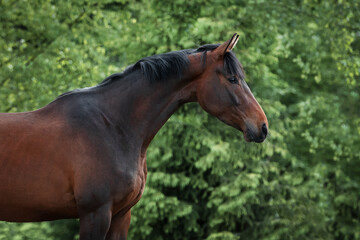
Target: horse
<point>84,154</point>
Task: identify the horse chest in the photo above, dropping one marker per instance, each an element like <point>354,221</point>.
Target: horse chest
<point>134,188</point>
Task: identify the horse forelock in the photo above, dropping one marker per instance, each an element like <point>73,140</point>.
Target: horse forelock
<point>233,66</point>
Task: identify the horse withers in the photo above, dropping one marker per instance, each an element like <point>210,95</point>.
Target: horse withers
<point>84,155</point>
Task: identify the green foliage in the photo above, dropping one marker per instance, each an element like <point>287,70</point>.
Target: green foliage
<point>61,229</point>
<point>205,182</point>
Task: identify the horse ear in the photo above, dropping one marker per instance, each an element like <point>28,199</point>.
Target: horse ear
<point>227,46</point>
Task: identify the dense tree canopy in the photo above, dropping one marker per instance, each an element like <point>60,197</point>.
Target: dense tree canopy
<point>302,63</point>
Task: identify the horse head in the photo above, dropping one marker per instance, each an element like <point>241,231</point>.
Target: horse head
<point>223,92</point>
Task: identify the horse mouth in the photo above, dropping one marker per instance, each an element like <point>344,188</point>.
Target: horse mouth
<point>251,136</point>
<point>257,140</point>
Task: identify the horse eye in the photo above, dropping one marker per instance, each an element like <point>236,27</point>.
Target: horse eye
<point>233,80</point>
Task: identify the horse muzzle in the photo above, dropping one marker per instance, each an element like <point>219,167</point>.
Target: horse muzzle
<point>253,134</point>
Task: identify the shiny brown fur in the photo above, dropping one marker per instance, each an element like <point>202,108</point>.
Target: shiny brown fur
<point>84,155</point>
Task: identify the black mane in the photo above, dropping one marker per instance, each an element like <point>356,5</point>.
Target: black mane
<point>172,65</point>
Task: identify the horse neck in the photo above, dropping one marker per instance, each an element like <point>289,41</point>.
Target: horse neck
<point>142,108</point>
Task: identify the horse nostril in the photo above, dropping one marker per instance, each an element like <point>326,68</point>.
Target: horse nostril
<point>264,129</point>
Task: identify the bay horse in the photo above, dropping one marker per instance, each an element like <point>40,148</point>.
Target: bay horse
<point>84,154</point>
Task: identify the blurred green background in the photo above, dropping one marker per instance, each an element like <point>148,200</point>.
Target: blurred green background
<point>302,60</point>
